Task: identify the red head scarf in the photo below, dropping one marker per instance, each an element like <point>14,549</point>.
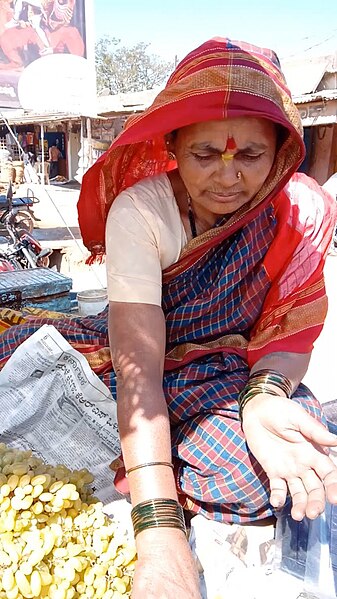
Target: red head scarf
<point>220,79</point>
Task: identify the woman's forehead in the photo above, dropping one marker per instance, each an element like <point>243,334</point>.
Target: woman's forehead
<point>229,133</point>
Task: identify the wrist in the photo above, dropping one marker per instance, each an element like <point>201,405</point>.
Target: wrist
<point>263,382</point>
<point>150,540</point>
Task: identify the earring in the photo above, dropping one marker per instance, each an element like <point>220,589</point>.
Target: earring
<point>171,155</point>
<point>239,175</point>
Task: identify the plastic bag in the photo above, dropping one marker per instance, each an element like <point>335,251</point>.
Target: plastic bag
<point>308,550</point>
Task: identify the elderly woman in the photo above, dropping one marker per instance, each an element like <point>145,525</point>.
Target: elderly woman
<point>215,252</point>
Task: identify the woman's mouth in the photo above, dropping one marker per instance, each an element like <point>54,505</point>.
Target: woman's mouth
<point>224,197</point>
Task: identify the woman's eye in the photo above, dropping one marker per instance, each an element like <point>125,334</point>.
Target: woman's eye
<point>250,157</point>
<point>203,157</point>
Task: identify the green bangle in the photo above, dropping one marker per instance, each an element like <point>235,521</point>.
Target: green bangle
<point>157,513</point>
<point>272,377</point>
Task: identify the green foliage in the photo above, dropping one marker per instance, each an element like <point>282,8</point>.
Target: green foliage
<point>123,69</point>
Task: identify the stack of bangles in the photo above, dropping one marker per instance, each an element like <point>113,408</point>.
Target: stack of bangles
<point>263,381</point>
<point>159,512</point>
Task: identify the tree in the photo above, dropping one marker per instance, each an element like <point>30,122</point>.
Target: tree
<point>128,69</point>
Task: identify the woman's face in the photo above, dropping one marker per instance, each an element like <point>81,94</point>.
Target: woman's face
<point>211,154</point>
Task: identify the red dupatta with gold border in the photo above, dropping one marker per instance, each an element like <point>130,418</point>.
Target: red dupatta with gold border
<point>217,80</point>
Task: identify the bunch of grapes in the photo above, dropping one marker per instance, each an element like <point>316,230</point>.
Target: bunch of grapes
<point>55,540</point>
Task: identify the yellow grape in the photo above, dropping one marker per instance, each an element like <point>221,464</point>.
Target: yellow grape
<point>26,568</point>
<point>35,583</point>
<point>13,481</point>
<point>5,490</point>
<point>46,578</point>
<point>44,497</point>
<point>22,583</point>
<point>5,560</point>
<point>20,469</point>
<point>5,504</point>
<point>36,556</point>
<point>24,480</point>
<point>58,484</point>
<point>55,540</point>
<point>81,587</point>
<point>37,490</point>
<point>8,580</point>
<point>40,479</point>
<point>27,489</point>
<point>26,502</point>
<point>37,508</point>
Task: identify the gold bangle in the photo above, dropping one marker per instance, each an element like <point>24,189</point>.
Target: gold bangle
<point>127,472</point>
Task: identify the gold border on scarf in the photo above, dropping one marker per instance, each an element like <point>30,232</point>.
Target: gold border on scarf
<point>296,320</point>
<point>179,352</point>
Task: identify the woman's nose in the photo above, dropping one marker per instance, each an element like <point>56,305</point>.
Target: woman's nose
<point>227,172</point>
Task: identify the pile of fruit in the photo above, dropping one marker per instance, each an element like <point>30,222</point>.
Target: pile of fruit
<point>55,540</point>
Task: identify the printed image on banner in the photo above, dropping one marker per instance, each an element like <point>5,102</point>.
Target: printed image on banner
<point>43,54</point>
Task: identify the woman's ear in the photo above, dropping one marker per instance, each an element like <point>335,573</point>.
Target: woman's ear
<point>169,143</point>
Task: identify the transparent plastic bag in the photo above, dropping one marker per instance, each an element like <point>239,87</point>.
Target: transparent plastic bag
<point>307,550</point>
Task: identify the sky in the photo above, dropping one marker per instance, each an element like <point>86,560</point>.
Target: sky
<point>174,27</point>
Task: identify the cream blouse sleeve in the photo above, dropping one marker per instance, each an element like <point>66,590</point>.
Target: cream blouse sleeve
<point>141,240</point>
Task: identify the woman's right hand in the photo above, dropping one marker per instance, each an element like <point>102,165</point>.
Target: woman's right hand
<point>165,568</point>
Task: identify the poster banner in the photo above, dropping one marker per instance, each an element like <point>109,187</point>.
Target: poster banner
<point>47,55</point>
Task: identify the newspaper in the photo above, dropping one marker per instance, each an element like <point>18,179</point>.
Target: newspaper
<point>53,403</point>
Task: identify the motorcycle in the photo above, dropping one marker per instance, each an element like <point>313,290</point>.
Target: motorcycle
<point>20,249</point>
<point>22,206</point>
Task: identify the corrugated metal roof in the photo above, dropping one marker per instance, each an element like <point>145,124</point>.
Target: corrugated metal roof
<point>323,94</point>
<point>303,77</point>
<point>126,103</point>
<point>320,119</point>
<point>21,117</point>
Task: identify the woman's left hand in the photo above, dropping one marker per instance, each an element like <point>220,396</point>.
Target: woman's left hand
<point>291,446</point>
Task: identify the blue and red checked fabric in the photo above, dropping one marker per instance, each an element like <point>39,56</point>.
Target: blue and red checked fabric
<point>218,299</point>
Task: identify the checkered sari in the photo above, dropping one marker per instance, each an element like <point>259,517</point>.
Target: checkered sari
<point>211,311</point>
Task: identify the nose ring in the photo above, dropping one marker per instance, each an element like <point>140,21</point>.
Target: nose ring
<point>239,175</point>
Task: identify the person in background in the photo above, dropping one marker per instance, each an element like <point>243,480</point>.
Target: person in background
<point>54,155</point>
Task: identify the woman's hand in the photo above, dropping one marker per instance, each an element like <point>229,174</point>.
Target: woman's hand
<point>165,568</point>
<point>291,446</point>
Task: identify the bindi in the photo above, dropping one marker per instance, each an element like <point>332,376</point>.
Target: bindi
<point>230,148</point>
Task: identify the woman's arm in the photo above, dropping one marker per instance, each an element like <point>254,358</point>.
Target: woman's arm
<point>137,341</point>
<point>165,566</point>
<point>294,366</point>
<point>289,443</point>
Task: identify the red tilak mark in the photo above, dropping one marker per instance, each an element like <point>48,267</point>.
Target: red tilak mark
<point>231,145</point>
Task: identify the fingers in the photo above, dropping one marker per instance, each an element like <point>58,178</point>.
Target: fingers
<point>308,493</point>
<point>330,483</point>
<point>315,431</point>
<point>308,496</point>
<point>278,492</point>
